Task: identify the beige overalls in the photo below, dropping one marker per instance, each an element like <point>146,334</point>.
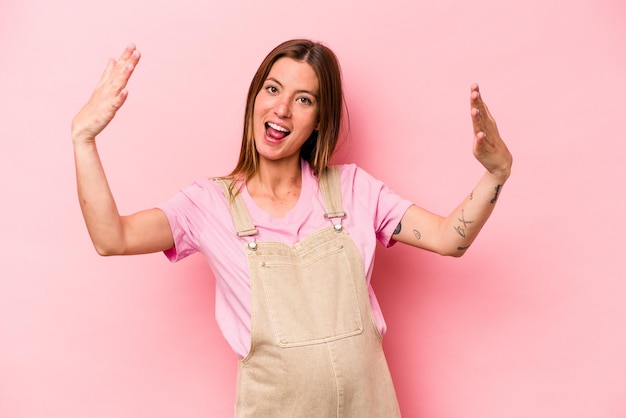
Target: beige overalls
<point>316,351</point>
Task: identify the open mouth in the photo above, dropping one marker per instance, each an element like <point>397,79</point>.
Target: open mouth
<point>275,131</point>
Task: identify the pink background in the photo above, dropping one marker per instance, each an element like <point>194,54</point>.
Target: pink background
<point>530,323</point>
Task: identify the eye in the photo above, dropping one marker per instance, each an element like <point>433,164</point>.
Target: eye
<point>271,89</point>
<point>304,100</point>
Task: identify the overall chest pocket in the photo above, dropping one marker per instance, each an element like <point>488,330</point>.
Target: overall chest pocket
<point>312,299</point>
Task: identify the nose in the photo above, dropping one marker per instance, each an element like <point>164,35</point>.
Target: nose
<point>282,107</point>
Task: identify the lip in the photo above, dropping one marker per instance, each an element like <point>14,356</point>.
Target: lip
<point>277,127</point>
<point>271,140</point>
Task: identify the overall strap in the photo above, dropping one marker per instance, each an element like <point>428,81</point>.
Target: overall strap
<point>331,191</point>
<point>238,210</point>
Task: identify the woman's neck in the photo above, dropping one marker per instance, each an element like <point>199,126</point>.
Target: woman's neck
<point>276,178</point>
<point>276,188</point>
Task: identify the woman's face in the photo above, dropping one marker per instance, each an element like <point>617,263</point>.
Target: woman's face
<point>285,110</point>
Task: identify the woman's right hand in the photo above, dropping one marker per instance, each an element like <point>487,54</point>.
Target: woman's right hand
<point>143,232</point>
<point>109,95</point>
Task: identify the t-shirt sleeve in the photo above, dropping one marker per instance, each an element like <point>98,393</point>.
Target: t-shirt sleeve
<point>182,213</point>
<point>385,206</point>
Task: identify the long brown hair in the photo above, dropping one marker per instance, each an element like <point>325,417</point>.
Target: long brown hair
<point>319,147</point>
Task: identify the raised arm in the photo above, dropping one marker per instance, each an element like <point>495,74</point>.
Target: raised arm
<point>112,234</point>
<point>452,235</point>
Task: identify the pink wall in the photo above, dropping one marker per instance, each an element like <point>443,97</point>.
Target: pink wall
<point>530,323</point>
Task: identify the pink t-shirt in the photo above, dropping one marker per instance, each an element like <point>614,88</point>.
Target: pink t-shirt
<point>200,220</point>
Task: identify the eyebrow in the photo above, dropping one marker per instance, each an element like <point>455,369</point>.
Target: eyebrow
<point>297,91</point>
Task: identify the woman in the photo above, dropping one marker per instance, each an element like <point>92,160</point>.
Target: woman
<point>290,239</point>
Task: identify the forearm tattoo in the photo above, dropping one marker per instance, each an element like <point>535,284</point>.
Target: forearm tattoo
<point>460,229</point>
<point>495,197</point>
<point>463,220</point>
<point>417,234</point>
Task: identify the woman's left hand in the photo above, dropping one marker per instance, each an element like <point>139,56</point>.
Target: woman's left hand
<point>489,148</point>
